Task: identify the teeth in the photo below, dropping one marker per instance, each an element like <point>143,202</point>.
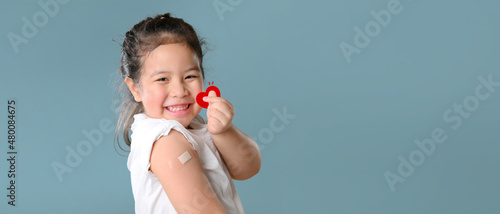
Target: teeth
<point>177,109</point>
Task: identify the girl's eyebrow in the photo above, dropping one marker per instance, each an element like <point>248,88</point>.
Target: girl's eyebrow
<point>195,68</point>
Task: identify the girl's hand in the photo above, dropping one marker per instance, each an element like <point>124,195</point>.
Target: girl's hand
<point>220,113</point>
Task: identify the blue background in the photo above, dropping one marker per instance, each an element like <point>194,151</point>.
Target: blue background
<point>352,120</point>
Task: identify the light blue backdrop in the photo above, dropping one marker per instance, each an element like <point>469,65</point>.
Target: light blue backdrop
<point>360,89</point>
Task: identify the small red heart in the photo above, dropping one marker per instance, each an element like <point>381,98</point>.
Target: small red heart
<point>199,97</point>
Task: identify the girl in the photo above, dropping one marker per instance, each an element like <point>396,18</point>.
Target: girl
<point>178,161</point>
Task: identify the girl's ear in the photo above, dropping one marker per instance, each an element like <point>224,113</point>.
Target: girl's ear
<point>133,88</point>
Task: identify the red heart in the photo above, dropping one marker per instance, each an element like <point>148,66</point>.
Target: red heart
<point>199,97</point>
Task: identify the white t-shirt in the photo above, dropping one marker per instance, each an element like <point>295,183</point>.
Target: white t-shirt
<point>148,193</point>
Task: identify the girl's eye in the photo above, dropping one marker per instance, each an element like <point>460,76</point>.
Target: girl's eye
<point>191,76</point>
<point>162,79</point>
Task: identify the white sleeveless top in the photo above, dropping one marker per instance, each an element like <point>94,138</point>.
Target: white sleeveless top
<point>148,193</point>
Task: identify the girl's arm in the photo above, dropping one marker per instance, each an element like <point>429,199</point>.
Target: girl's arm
<point>185,184</point>
<point>239,151</point>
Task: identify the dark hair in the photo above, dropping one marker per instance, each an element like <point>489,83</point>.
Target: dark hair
<point>143,38</point>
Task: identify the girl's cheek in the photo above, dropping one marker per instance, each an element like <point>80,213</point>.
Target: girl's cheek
<point>200,86</point>
<point>150,95</point>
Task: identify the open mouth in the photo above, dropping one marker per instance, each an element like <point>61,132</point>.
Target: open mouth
<point>178,108</point>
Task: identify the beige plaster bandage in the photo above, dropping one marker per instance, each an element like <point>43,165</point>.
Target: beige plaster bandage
<point>184,157</point>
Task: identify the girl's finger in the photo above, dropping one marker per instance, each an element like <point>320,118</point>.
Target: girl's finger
<point>212,99</point>
<point>223,108</point>
<point>217,114</point>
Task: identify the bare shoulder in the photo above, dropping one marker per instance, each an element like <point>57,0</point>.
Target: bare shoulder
<point>168,148</point>
<point>177,166</point>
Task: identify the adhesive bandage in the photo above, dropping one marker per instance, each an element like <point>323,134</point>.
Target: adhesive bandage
<point>184,157</point>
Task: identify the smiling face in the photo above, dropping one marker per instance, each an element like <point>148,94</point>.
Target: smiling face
<point>170,80</point>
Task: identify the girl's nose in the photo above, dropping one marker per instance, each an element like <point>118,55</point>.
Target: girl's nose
<point>177,89</point>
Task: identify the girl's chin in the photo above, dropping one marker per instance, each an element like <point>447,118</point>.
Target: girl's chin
<point>185,120</point>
